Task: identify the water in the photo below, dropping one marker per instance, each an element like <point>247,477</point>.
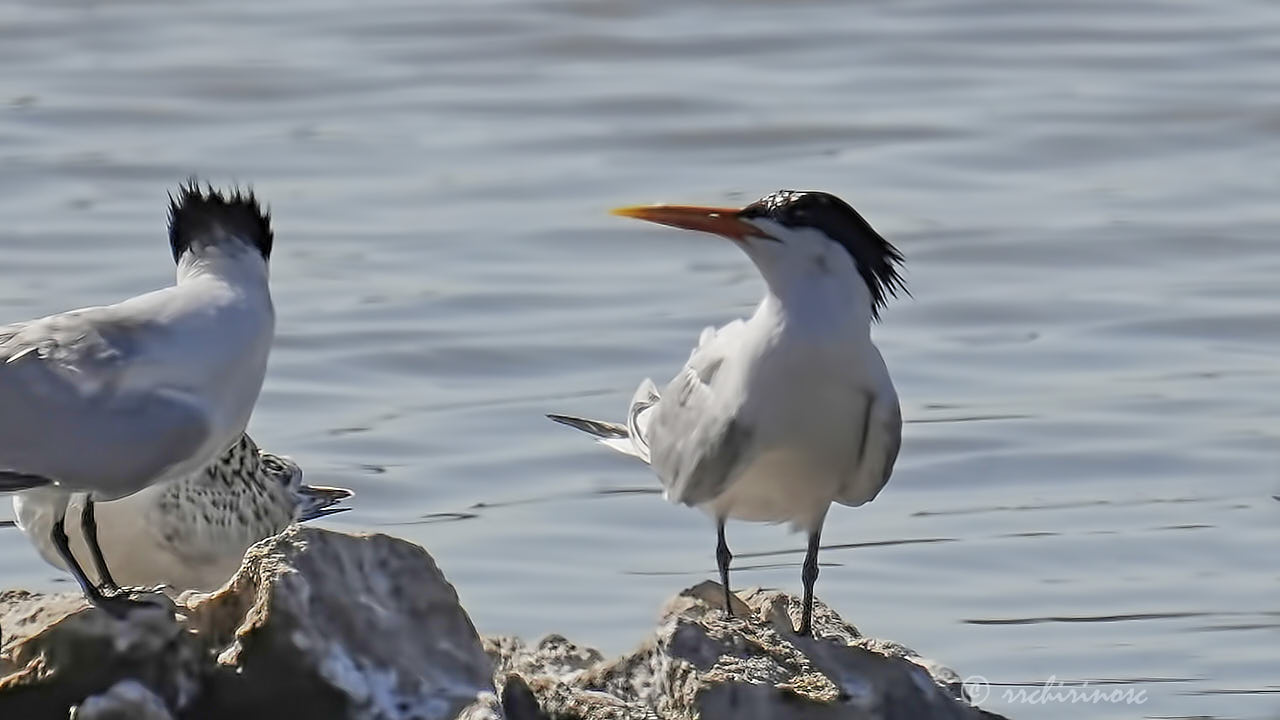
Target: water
<point>1085,193</point>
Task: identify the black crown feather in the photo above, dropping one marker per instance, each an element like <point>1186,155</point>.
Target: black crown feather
<point>876,259</point>
<point>200,218</point>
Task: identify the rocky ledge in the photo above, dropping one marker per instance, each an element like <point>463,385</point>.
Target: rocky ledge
<point>318,624</point>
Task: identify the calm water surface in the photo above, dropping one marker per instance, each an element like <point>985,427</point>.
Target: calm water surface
<point>1086,194</point>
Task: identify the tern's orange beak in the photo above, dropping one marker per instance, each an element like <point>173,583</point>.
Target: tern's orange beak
<point>721,221</point>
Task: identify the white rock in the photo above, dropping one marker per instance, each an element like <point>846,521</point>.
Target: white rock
<point>126,700</point>
<point>316,625</point>
<point>702,663</point>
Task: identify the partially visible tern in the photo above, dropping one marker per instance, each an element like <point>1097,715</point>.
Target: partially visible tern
<point>106,401</point>
<point>192,533</point>
<point>774,418</point>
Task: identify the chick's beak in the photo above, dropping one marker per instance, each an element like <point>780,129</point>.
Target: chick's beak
<point>721,221</point>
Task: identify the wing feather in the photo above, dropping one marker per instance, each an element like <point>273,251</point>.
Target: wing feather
<point>696,440</point>
<point>880,441</point>
<point>66,412</point>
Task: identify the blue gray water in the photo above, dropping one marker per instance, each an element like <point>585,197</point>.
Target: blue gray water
<point>1086,194</point>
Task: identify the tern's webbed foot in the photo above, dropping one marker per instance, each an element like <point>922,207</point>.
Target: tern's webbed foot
<point>120,602</point>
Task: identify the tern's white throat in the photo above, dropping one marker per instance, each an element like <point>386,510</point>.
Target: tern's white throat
<point>813,279</point>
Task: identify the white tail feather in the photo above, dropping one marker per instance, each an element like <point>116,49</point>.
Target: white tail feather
<point>630,439</point>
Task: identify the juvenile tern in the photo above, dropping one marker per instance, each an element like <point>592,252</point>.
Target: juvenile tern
<point>109,400</point>
<point>774,418</point>
<point>191,533</point>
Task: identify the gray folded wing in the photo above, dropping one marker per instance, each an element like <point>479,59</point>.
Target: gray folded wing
<point>696,440</point>
<point>878,446</point>
<point>67,414</point>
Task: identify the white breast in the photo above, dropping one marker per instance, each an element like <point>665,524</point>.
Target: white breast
<point>780,486</point>
<point>807,410</point>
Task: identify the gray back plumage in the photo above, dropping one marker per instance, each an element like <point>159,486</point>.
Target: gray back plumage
<point>66,413</point>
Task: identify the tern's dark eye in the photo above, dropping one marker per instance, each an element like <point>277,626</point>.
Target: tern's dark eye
<point>274,466</point>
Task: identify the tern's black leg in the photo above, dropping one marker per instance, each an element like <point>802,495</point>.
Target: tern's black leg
<point>723,556</point>
<point>809,575</point>
<point>89,525</point>
<point>118,604</point>
<point>63,546</point>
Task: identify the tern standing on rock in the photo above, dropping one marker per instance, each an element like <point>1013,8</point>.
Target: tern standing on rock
<point>106,401</point>
<point>774,418</point>
<point>192,533</point>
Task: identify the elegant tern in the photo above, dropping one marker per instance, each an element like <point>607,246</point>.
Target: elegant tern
<point>106,401</point>
<point>775,417</point>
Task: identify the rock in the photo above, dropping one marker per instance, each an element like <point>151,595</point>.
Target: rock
<point>126,700</point>
<point>366,623</point>
<point>316,624</point>
<point>329,626</point>
<point>701,663</point>
<point>55,651</point>
<point>518,700</point>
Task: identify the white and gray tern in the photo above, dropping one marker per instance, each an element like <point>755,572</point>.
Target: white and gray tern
<point>774,418</point>
<point>191,533</point>
<point>106,401</point>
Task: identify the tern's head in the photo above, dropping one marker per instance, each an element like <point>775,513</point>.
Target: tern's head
<point>805,240</point>
<point>204,221</point>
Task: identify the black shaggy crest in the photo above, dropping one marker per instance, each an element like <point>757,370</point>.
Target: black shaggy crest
<point>209,217</point>
<point>877,259</point>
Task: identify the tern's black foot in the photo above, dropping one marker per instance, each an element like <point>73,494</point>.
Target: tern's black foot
<point>109,587</point>
<point>121,602</point>
<point>806,628</point>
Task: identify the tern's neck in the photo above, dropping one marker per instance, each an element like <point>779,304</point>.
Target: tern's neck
<point>238,267</point>
<point>813,284</point>
<point>823,305</point>
<point>817,317</point>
